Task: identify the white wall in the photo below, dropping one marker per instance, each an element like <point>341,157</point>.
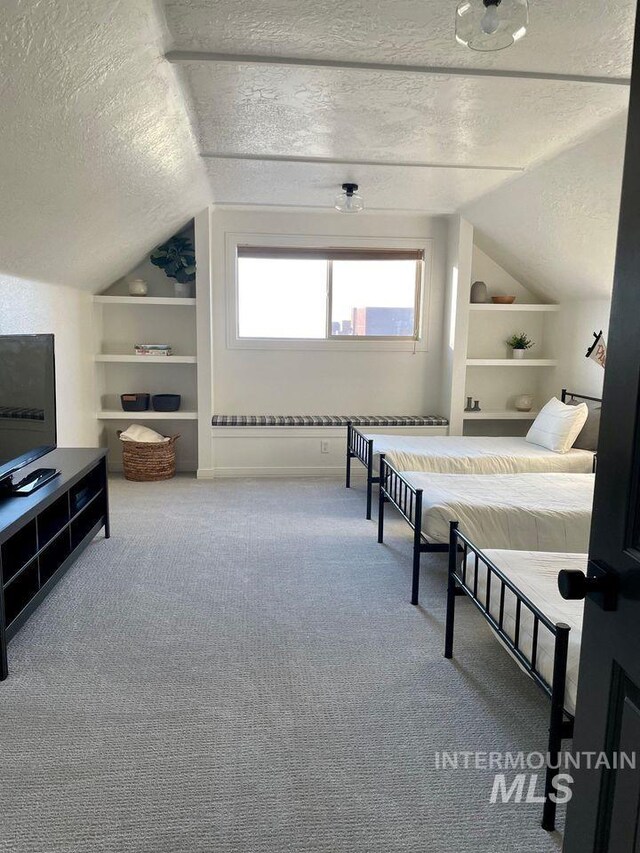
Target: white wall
<point>257,381</point>
<point>30,307</point>
<point>575,325</point>
<point>456,319</point>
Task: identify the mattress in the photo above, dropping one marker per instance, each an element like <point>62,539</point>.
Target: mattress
<point>535,574</point>
<point>450,454</point>
<point>537,512</point>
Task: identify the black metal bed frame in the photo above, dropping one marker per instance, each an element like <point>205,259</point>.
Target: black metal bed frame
<point>574,395</point>
<point>560,722</point>
<point>361,448</point>
<point>395,489</point>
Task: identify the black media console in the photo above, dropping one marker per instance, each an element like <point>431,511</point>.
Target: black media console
<point>41,535</point>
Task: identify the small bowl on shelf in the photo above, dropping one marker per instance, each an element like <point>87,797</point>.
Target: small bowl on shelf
<point>166,402</point>
<point>503,300</point>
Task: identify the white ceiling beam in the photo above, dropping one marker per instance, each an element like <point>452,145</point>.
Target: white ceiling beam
<point>185,56</point>
<point>411,164</point>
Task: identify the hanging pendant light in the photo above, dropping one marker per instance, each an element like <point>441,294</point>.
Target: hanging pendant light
<point>349,200</point>
<point>487,25</point>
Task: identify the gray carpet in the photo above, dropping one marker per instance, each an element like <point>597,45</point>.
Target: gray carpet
<point>238,670</point>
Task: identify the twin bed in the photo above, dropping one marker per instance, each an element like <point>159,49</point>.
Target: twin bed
<point>461,454</point>
<point>538,512</point>
<point>526,497</point>
<point>525,519</point>
<point>517,593</point>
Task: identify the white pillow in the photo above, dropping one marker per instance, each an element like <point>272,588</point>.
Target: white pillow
<point>558,425</point>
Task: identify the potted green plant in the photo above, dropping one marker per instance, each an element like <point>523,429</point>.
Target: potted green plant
<point>519,343</point>
<point>177,257</point>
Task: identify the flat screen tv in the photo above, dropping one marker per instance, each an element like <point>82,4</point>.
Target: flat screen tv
<point>27,400</point>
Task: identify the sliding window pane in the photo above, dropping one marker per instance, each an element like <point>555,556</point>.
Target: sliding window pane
<point>282,298</point>
<point>374,298</point>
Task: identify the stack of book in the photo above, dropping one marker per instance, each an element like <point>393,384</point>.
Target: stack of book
<point>153,349</point>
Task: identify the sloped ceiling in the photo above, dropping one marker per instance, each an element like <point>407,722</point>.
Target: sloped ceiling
<point>572,36</point>
<point>98,159</point>
<point>108,147</point>
<point>291,98</point>
<point>555,227</point>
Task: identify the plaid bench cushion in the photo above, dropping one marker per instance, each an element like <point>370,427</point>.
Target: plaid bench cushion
<point>21,414</point>
<point>329,420</point>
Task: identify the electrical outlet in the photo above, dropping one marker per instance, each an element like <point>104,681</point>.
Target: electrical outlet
<point>324,446</point>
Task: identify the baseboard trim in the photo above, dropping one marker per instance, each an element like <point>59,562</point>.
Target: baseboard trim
<point>333,472</point>
<point>205,473</point>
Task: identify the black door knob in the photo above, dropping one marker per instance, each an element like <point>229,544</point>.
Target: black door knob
<point>600,585</point>
<point>573,584</point>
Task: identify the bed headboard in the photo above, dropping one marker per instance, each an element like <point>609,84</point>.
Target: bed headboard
<point>573,395</point>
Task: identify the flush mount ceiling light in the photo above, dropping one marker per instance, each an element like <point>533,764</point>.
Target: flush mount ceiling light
<point>487,25</point>
<point>349,200</point>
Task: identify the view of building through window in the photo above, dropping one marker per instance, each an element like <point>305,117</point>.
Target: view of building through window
<point>316,298</point>
<point>373,298</point>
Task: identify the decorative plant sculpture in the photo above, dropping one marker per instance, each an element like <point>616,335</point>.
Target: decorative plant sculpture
<point>177,257</point>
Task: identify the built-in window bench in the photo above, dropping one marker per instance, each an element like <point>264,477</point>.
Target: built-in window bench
<point>299,445</point>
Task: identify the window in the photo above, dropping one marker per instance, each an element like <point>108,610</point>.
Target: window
<point>282,298</point>
<point>323,294</point>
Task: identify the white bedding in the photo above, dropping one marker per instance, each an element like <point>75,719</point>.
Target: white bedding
<point>537,512</point>
<point>535,574</point>
<point>450,454</point>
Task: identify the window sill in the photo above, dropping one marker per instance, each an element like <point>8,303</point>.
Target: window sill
<point>328,345</point>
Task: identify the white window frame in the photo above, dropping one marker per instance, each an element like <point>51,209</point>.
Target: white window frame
<point>332,342</point>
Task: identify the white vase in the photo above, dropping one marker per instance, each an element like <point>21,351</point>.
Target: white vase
<point>523,403</point>
<point>138,287</point>
<point>182,290</point>
<point>518,353</point>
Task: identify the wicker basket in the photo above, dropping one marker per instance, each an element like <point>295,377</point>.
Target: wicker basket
<point>147,462</point>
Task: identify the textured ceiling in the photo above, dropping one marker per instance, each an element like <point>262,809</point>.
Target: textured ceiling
<point>98,159</point>
<point>374,118</point>
<point>370,115</point>
<point>317,184</point>
<point>565,37</point>
<point>555,227</point>
<point>541,158</point>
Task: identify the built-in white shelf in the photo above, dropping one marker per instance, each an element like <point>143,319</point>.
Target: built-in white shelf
<point>148,359</point>
<point>144,300</point>
<point>516,306</point>
<point>508,415</point>
<point>119,415</point>
<point>511,362</point>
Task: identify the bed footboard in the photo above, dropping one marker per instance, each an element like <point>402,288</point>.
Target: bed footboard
<point>465,559</point>
<point>361,448</point>
<point>397,490</point>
